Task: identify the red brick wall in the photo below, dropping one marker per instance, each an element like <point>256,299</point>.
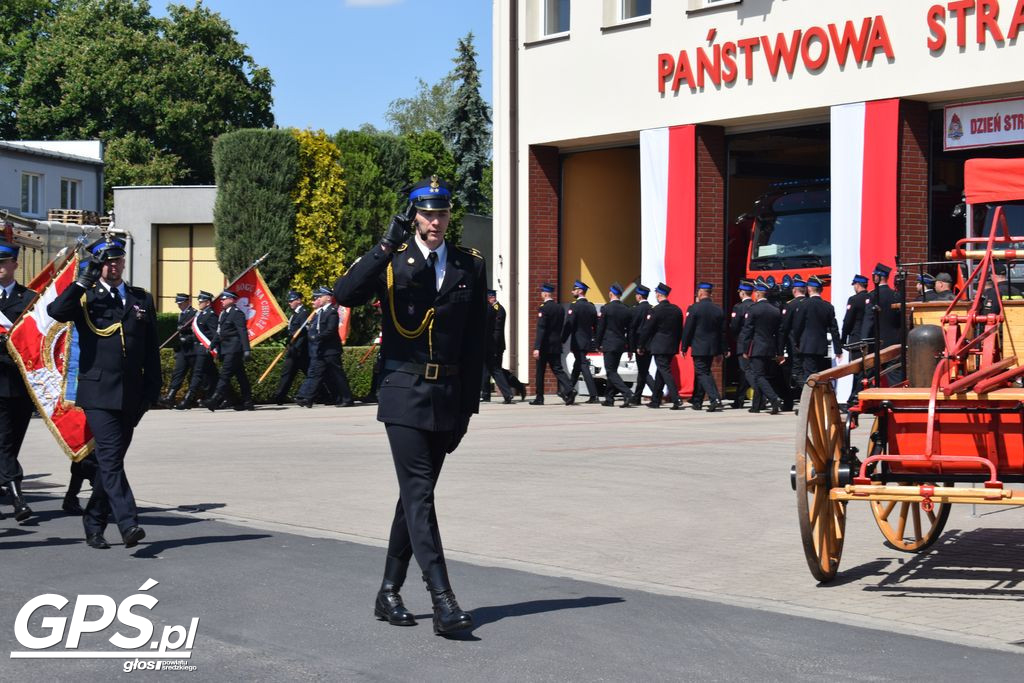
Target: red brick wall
<point>545,168</point>
<point>710,249</point>
<point>912,200</point>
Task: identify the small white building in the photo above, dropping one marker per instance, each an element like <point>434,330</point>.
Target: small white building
<point>37,176</point>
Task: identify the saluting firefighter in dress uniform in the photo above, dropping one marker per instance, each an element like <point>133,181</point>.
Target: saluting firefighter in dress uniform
<point>660,335</point>
<point>888,318</point>
<point>702,337</point>
<point>204,372</point>
<point>792,371</point>
<point>926,287</point>
<point>613,326</point>
<point>184,358</point>
<point>434,297</point>
<point>15,405</point>
<point>643,357</point>
<point>736,318</point>
<point>580,326</point>
<point>495,350</point>
<point>760,344</point>
<point>547,347</point>
<point>817,320</point>
<point>231,342</point>
<point>296,358</point>
<point>118,378</point>
<point>324,355</point>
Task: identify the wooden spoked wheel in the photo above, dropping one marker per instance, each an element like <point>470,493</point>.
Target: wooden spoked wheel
<point>820,438</point>
<point>908,526</point>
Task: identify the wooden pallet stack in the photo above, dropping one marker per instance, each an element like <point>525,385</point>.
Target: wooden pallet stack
<point>73,216</point>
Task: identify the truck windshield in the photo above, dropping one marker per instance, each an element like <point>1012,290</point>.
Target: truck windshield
<point>795,231</point>
<point>1015,223</point>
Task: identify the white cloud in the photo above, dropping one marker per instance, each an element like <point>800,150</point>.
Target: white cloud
<point>371,3</point>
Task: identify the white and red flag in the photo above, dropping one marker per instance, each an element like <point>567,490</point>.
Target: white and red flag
<point>263,315</point>
<point>46,351</point>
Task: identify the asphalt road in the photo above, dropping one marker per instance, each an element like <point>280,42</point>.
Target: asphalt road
<point>276,606</point>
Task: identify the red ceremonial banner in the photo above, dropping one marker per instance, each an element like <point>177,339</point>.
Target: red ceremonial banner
<point>46,351</point>
<point>263,315</point>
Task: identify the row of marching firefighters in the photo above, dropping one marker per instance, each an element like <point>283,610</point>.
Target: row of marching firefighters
<point>777,346</point>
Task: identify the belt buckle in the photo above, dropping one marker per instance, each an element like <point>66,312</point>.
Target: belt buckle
<point>432,372</point>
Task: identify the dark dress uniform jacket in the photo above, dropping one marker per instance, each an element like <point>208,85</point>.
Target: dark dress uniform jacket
<point>551,320</point>
<point>640,312</point>
<point>458,334</point>
<point>790,315</point>
<point>580,325</point>
<point>760,334</point>
<point>853,322</point>
<point>613,327</point>
<point>108,374</point>
<point>739,314</point>
<point>297,323</point>
<point>206,321</point>
<point>702,333</point>
<point>323,333</point>
<point>12,385</point>
<point>889,317</point>
<point>817,318</point>
<point>663,329</point>
<point>495,326</point>
<point>185,337</point>
<point>232,335</point>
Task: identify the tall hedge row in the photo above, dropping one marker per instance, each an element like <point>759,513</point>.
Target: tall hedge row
<point>318,197</point>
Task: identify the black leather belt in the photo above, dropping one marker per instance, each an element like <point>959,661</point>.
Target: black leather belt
<point>428,371</point>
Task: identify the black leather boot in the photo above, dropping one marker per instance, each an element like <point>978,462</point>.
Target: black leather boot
<point>21,509</point>
<point>187,401</point>
<point>167,400</point>
<point>389,606</point>
<point>448,616</point>
<point>213,402</point>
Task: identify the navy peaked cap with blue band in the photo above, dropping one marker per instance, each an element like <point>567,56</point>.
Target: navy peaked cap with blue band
<point>642,290</point>
<point>228,294</point>
<point>797,282</point>
<point>8,250</point>
<point>580,284</point>
<point>431,194</point>
<point>705,285</point>
<point>859,280</point>
<point>107,248</point>
<point>926,278</point>
<point>815,281</point>
<point>663,289</point>
<point>293,295</point>
<point>616,289</point>
<point>180,298</point>
<point>745,286</point>
<point>492,292</point>
<point>547,287</point>
<point>882,269</point>
<point>204,295</point>
<point>322,291</point>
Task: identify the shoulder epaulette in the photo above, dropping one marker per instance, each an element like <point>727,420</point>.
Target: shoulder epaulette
<point>496,306</point>
<point>403,247</point>
<point>469,250</point>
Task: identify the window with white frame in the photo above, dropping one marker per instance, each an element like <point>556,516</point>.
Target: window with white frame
<point>635,8</point>
<point>70,191</point>
<point>556,16</point>
<point>30,184</point>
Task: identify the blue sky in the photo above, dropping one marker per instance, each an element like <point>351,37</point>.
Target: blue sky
<point>339,63</point>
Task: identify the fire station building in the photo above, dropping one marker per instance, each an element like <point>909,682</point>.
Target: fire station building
<point>631,136</point>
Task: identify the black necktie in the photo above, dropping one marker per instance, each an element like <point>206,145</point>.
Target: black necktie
<point>432,259</point>
<point>3,295</point>
<point>116,295</point>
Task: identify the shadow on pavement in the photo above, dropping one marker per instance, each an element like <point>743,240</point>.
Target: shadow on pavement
<point>985,563</point>
<point>489,615</point>
<point>49,541</point>
<point>151,551</point>
<point>199,507</point>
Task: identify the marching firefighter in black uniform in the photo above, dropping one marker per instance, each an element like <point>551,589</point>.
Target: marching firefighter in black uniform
<point>231,342</point>
<point>118,378</point>
<point>660,335</point>
<point>204,372</point>
<point>15,404</point>
<point>736,318</point>
<point>296,357</point>
<point>759,343</point>
<point>888,317</point>
<point>547,347</point>
<point>853,323</point>
<point>817,320</point>
<point>702,337</point>
<point>613,340</point>
<point>791,371</point>
<point>184,356</point>
<point>643,357</point>
<point>495,350</point>
<point>324,355</point>
<point>580,327</point>
<point>434,297</point>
